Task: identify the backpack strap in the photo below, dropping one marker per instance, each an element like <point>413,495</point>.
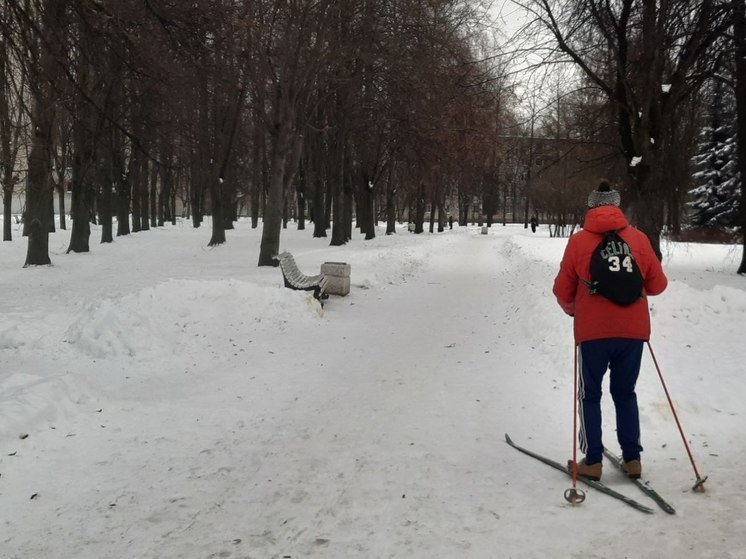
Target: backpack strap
<point>590,285</point>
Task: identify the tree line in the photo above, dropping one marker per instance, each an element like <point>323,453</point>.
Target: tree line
<point>326,109</point>
<point>347,112</point>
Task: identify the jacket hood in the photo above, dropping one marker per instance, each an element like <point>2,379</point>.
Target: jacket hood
<point>603,219</point>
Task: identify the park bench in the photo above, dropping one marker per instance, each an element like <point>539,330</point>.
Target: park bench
<point>295,279</point>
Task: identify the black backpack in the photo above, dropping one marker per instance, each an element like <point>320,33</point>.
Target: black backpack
<point>614,272</point>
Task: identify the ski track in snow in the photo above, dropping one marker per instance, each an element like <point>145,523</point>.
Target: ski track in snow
<point>180,403</point>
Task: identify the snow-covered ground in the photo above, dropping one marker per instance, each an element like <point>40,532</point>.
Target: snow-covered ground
<point>161,399</point>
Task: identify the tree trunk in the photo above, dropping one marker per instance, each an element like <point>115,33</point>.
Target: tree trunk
<point>291,170</point>
<point>123,208</point>
<point>7,159</point>
<point>81,169</point>
<point>257,167</point>
<point>38,189</point>
<point>172,206</point>
<point>7,214</point>
<point>367,207</point>
<point>270,243</point>
<point>348,189</point>
<point>285,212</point>
<point>300,195</point>
<point>106,185</point>
<point>145,195</point>
<point>649,202</point>
<point>230,202</point>
<point>84,169</point>
<point>337,178</point>
<point>38,186</point>
<point>50,203</point>
<point>61,204</point>
<point>320,214</point>
<point>419,208</point>
<point>216,199</point>
<point>739,28</point>
<point>166,175</point>
<point>154,195</point>
<point>196,192</point>
<point>390,202</point>
<point>135,176</point>
<point>431,224</point>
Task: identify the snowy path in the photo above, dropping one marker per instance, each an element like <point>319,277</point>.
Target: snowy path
<point>375,431</point>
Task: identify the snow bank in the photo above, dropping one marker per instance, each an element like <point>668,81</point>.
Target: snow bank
<point>173,313</point>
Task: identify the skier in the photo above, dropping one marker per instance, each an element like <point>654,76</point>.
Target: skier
<point>609,335</point>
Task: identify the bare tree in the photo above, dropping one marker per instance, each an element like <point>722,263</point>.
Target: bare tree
<point>40,28</point>
<point>647,57</point>
<point>12,85</point>
<point>291,52</point>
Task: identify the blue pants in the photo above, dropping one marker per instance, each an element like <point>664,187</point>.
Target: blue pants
<point>622,358</point>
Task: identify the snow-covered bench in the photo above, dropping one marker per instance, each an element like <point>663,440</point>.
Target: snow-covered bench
<point>295,279</point>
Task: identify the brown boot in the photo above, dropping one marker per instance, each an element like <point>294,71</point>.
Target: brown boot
<point>632,468</point>
<point>589,471</point>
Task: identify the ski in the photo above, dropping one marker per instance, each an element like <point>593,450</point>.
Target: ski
<point>643,485</point>
<point>589,482</point>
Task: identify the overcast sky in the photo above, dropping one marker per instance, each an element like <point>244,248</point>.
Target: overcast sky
<point>508,15</point>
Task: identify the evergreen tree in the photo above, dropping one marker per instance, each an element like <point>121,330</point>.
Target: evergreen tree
<point>717,194</point>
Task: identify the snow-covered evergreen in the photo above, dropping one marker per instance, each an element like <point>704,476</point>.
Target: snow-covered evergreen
<point>717,194</point>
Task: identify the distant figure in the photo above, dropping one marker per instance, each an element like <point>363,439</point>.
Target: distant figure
<point>534,224</point>
<point>450,222</point>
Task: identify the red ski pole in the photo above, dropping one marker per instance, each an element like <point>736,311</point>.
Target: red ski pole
<point>699,485</point>
<point>575,495</point>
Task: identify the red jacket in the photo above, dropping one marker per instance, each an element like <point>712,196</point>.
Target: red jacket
<point>595,316</point>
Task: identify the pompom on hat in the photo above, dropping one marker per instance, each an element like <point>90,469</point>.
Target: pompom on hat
<point>604,195</point>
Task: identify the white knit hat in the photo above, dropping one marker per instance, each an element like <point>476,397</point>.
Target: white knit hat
<point>604,195</point>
